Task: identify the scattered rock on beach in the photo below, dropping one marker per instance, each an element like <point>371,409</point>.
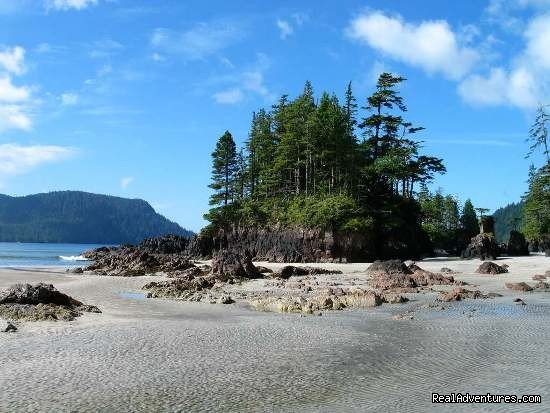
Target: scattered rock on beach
<point>40,302</point>
<point>490,267</point>
<point>7,327</point>
<point>225,299</point>
<point>458,294</point>
<point>519,301</point>
<point>521,286</point>
<point>395,275</point>
<point>538,277</point>
<point>77,270</point>
<point>290,271</point>
<point>264,270</point>
<point>352,298</point>
<point>445,270</point>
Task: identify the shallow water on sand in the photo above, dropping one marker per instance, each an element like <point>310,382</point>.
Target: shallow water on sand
<point>244,361</point>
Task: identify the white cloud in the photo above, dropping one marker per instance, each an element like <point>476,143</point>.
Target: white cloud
<point>516,88</point>
<point>229,96</point>
<point>285,28</point>
<point>430,45</point>
<point>69,4</point>
<point>12,59</point>
<point>248,82</point>
<point>126,181</point>
<point>69,99</point>
<point>526,83</point>
<point>199,42</point>
<point>14,100</point>
<point>11,93</point>
<point>17,159</point>
<point>14,117</point>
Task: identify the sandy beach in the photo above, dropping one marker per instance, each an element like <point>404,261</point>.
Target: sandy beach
<point>143,355</point>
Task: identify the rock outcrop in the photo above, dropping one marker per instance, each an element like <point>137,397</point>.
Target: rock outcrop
<point>491,268</point>
<point>283,244</point>
<point>290,270</point>
<point>517,245</point>
<point>227,265</point>
<point>395,275</point>
<point>130,261</point>
<point>40,302</point>
<point>482,246</point>
<point>330,300</point>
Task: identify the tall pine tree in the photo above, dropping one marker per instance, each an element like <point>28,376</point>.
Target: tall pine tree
<point>224,168</point>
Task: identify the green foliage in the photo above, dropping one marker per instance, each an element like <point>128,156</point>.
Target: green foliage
<point>440,218</point>
<point>536,210</point>
<point>538,134</point>
<point>468,220</point>
<point>303,164</point>
<point>225,170</point>
<point>508,218</point>
<point>80,217</point>
<point>323,212</point>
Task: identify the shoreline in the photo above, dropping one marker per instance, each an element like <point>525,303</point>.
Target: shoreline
<point>166,355</point>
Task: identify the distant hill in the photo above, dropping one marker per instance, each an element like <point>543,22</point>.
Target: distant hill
<point>81,217</point>
<point>506,219</point>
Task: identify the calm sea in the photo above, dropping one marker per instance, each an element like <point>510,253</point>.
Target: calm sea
<point>22,254</point>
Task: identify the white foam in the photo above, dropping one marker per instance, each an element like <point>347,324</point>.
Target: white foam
<point>73,258</point>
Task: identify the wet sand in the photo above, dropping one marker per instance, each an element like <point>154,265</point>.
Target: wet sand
<point>145,355</point>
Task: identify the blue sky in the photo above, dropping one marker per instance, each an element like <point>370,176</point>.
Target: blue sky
<point>128,97</point>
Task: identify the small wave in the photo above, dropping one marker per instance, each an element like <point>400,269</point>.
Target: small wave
<point>73,258</point>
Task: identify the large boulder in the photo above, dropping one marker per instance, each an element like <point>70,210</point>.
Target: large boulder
<point>491,268</point>
<point>482,246</point>
<point>228,264</point>
<point>517,245</point>
<point>40,302</point>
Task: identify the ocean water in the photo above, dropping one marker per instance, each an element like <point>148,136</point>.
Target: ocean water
<point>23,254</point>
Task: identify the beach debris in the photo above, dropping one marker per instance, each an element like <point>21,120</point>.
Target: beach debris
<point>77,270</point>
<point>409,315</point>
<point>446,270</point>
<point>521,286</point>
<point>225,299</point>
<point>538,277</point>
<point>40,302</point>
<point>491,268</point>
<point>519,301</point>
<point>542,286</point>
<point>7,327</point>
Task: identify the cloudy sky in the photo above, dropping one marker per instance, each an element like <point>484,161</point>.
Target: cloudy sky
<point>127,97</point>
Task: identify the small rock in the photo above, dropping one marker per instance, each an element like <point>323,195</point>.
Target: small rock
<point>539,277</point>
<point>8,327</point>
<point>489,267</point>
<point>225,299</point>
<point>519,286</point>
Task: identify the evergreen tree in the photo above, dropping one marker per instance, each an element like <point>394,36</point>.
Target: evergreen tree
<point>224,167</point>
<point>538,135</point>
<point>536,210</point>
<point>468,220</point>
